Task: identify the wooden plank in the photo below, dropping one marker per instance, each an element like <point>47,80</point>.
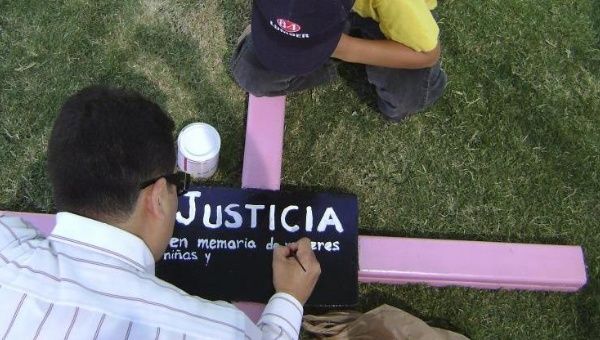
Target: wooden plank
<point>488,265</point>
<point>263,150</point>
<point>263,157</point>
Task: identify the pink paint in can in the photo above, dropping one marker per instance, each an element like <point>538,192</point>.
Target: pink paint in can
<point>198,148</point>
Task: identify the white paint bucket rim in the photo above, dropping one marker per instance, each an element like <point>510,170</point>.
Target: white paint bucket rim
<point>199,142</point>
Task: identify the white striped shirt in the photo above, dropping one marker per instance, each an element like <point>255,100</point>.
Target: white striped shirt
<point>90,280</point>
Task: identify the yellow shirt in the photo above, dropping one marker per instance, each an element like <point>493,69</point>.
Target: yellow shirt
<point>408,22</point>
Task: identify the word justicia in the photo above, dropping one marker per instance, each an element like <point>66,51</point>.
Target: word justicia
<point>235,216</point>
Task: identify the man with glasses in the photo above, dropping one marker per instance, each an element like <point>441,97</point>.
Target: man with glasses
<point>111,159</point>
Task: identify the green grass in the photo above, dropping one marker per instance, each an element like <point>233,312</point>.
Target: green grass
<point>510,153</point>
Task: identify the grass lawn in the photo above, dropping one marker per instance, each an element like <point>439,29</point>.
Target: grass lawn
<point>510,153</point>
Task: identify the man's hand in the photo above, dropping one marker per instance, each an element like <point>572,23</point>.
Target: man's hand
<point>288,275</point>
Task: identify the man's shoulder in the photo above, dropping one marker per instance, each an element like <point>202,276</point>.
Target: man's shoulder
<point>13,221</point>
<point>14,230</point>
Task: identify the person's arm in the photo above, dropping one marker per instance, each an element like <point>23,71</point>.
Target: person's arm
<point>282,316</point>
<point>386,53</point>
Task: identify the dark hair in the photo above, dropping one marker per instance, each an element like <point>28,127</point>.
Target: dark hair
<point>104,143</point>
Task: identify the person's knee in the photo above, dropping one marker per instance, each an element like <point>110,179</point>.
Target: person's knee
<point>398,106</point>
<point>436,86</point>
<point>393,112</point>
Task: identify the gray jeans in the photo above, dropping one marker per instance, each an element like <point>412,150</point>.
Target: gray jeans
<point>400,92</point>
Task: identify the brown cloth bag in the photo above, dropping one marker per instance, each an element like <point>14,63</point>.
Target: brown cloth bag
<point>383,322</point>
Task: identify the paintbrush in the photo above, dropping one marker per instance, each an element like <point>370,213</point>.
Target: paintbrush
<point>297,260</point>
<point>293,254</point>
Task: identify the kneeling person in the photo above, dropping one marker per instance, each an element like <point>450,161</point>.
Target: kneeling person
<point>111,161</point>
<point>292,44</point>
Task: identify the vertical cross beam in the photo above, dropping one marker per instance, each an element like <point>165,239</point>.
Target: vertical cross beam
<point>263,157</point>
<point>263,151</point>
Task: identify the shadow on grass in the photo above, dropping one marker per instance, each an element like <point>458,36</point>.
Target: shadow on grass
<point>34,192</point>
<point>595,18</point>
<point>355,76</point>
<point>174,51</point>
<point>588,305</point>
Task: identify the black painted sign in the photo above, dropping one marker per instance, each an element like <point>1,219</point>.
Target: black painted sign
<point>222,246</point>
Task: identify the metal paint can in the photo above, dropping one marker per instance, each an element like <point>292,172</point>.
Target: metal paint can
<point>198,148</point>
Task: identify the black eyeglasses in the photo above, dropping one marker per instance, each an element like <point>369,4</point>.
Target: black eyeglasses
<point>180,179</point>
